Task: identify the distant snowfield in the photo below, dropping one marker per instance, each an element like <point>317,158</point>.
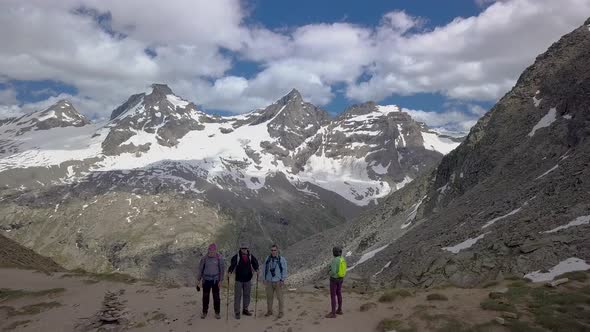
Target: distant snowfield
<point>569,265</point>
<point>436,143</point>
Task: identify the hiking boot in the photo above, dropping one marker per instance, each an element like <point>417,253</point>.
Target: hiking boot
<point>238,315</point>
<point>268,313</point>
<point>246,312</point>
<point>203,315</point>
<point>217,315</point>
<point>331,315</point>
<point>280,315</point>
<point>339,312</point>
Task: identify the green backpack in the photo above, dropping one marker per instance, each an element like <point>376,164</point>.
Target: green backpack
<point>342,268</point>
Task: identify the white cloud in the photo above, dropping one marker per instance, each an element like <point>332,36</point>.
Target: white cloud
<point>198,41</point>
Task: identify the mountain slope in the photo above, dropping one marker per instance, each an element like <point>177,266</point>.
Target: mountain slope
<point>13,254</point>
<point>513,198</point>
<point>145,191</point>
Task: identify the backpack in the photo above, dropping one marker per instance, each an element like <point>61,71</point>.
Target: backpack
<point>218,256</point>
<point>266,269</point>
<point>342,268</point>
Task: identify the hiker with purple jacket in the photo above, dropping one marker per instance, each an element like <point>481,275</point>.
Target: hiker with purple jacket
<point>210,273</point>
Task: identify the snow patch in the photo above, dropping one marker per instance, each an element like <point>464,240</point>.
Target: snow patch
<point>567,116</point>
<point>583,220</point>
<point>549,171</point>
<point>382,269</point>
<point>176,101</point>
<point>368,256</point>
<point>439,144</point>
<point>545,121</point>
<point>465,244</point>
<point>379,169</point>
<point>569,265</point>
<point>536,101</point>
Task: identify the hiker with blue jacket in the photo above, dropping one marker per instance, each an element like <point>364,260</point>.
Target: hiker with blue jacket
<point>275,274</point>
<point>210,273</point>
<point>337,271</point>
<point>245,265</point>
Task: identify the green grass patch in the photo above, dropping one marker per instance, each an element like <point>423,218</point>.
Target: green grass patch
<point>31,309</point>
<point>387,325</point>
<point>496,305</point>
<point>15,325</point>
<point>576,275</point>
<point>491,284</point>
<point>368,306</point>
<point>436,297</point>
<point>7,294</point>
<point>558,310</point>
<point>97,277</point>
<point>391,295</point>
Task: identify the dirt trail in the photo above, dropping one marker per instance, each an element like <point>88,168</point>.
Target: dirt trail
<point>148,307</point>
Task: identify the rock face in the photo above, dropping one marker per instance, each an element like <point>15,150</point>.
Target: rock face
<point>512,199</point>
<point>145,192</point>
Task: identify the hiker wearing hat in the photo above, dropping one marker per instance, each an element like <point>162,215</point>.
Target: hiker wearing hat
<point>337,271</point>
<point>245,265</point>
<point>275,274</point>
<point>210,272</point>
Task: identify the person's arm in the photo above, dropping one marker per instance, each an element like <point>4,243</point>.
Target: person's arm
<point>200,270</point>
<point>284,274</point>
<point>255,265</point>
<point>264,270</point>
<point>232,265</point>
<point>222,269</point>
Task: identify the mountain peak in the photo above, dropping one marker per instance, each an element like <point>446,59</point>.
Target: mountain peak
<point>161,89</point>
<point>293,95</point>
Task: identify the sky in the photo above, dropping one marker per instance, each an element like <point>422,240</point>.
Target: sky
<point>444,62</point>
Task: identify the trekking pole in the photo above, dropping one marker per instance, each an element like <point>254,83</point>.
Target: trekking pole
<point>227,301</point>
<point>256,298</point>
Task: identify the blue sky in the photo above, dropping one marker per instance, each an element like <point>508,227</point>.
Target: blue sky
<point>445,62</point>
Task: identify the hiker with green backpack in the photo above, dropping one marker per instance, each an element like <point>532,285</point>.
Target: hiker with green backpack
<point>337,273</point>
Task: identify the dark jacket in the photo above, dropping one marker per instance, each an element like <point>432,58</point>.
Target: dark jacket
<point>243,270</point>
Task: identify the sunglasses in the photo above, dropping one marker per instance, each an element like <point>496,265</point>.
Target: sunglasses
<point>273,250</point>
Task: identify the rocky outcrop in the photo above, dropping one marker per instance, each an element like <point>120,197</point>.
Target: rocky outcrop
<point>510,200</point>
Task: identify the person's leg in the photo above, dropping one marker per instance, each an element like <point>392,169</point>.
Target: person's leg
<point>237,297</point>
<point>339,294</point>
<point>269,298</point>
<point>247,295</point>
<point>206,291</point>
<point>279,291</point>
<point>333,289</point>
<point>216,297</point>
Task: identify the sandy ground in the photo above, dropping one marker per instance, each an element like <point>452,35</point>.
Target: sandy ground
<point>153,308</point>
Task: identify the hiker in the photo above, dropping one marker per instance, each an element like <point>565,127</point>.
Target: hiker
<point>275,274</point>
<point>244,264</point>
<point>337,272</point>
<point>210,271</point>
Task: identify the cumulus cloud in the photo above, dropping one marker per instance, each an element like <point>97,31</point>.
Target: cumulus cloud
<point>99,47</point>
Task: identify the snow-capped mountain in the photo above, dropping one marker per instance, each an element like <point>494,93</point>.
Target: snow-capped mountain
<point>161,177</point>
<point>364,154</point>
